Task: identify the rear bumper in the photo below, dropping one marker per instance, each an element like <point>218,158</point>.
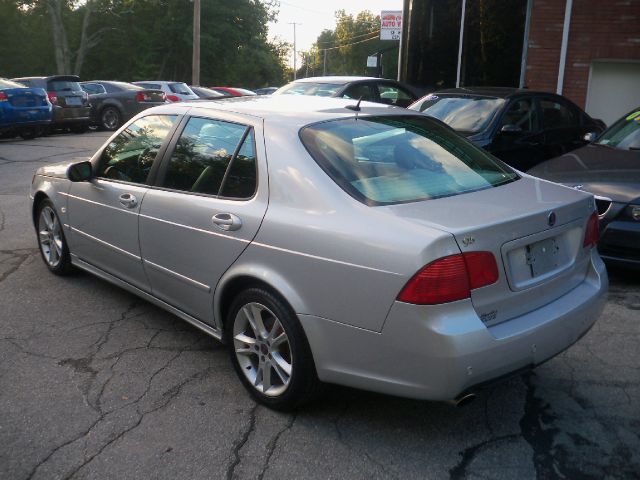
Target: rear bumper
<point>620,243</point>
<point>438,352</point>
<point>71,115</point>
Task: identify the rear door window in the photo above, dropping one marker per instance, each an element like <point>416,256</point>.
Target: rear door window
<point>130,156</point>
<point>383,160</point>
<point>393,95</point>
<point>203,155</point>
<point>556,114</point>
<point>93,88</point>
<point>180,88</point>
<point>364,91</point>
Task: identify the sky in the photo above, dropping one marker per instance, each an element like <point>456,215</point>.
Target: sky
<point>315,16</point>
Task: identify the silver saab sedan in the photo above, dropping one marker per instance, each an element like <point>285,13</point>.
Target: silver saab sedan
<point>329,241</point>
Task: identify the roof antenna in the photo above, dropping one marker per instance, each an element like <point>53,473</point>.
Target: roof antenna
<point>356,107</point>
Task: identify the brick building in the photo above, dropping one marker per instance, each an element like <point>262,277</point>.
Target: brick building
<point>587,50</point>
<point>602,53</point>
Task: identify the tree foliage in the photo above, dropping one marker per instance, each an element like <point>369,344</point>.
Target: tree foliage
<point>347,47</point>
<point>140,40</point>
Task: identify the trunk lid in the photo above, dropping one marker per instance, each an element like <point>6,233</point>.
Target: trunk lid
<point>535,230</point>
<point>26,97</point>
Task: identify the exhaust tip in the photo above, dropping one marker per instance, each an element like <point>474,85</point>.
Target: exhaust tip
<point>464,399</point>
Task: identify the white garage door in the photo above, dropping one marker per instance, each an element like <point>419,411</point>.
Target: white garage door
<point>614,89</point>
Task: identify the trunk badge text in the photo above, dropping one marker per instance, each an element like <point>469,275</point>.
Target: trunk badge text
<point>468,240</point>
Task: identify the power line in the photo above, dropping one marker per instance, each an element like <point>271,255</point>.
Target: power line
<point>354,37</point>
<point>349,44</point>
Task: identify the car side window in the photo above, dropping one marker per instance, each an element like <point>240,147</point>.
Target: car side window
<point>556,114</point>
<point>521,113</point>
<point>240,180</point>
<point>393,95</point>
<point>130,156</point>
<point>360,90</point>
<point>202,156</point>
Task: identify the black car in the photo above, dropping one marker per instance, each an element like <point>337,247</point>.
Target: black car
<point>113,103</point>
<point>519,126</point>
<point>71,106</point>
<point>370,89</point>
<point>610,169</point>
<point>207,93</point>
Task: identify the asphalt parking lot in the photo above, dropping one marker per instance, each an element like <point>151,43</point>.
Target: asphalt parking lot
<point>96,383</point>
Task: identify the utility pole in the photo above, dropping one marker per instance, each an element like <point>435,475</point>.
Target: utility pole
<point>461,42</point>
<point>195,74</point>
<point>324,65</point>
<point>295,53</point>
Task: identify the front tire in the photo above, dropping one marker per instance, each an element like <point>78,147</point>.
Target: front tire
<point>51,239</point>
<point>110,118</point>
<point>269,350</point>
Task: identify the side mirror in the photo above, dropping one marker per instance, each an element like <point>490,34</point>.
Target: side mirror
<point>511,129</point>
<point>80,172</point>
<point>590,137</point>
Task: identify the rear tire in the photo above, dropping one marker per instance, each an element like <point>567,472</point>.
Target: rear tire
<point>110,118</point>
<point>269,351</point>
<point>51,240</point>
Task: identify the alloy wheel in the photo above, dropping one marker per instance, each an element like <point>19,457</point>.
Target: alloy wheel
<point>50,235</point>
<point>262,349</point>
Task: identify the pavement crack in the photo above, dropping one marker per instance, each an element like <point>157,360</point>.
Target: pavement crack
<point>469,454</point>
<point>273,443</point>
<point>238,444</point>
<point>17,257</point>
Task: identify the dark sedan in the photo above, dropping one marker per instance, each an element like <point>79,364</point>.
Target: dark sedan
<point>70,103</point>
<point>113,103</point>
<point>370,89</point>
<point>610,169</point>
<point>521,127</point>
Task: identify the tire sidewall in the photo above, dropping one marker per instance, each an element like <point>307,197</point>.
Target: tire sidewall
<point>64,266</point>
<point>302,363</point>
<point>118,115</point>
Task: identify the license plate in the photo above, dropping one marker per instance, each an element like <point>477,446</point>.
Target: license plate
<point>73,101</point>
<point>543,256</point>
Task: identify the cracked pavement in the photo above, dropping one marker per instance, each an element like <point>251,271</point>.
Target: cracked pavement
<point>96,383</point>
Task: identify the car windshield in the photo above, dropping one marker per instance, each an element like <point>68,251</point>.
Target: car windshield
<point>180,88</point>
<point>63,86</point>
<point>318,89</point>
<point>9,84</point>
<point>463,113</point>
<point>383,160</point>
<point>624,134</point>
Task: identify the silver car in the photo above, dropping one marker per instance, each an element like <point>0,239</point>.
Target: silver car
<point>325,240</point>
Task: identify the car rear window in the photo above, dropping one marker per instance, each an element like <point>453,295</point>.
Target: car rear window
<point>468,114</point>
<point>63,86</point>
<point>309,88</point>
<point>9,84</point>
<point>180,88</point>
<point>383,160</point>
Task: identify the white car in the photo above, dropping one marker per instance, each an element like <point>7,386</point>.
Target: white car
<point>175,91</point>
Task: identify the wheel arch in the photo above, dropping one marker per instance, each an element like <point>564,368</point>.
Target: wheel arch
<point>240,278</point>
<point>37,200</point>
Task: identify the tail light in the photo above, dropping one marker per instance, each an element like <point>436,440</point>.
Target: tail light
<point>592,232</point>
<point>450,278</point>
<point>53,98</point>
<point>142,97</point>
<point>3,97</point>
<point>173,98</point>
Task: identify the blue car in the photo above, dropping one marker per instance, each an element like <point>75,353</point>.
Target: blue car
<point>23,111</point>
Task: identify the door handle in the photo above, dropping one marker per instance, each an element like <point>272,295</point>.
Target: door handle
<point>227,221</point>
<point>128,200</point>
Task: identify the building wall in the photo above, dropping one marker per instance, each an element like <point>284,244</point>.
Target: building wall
<point>599,29</point>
